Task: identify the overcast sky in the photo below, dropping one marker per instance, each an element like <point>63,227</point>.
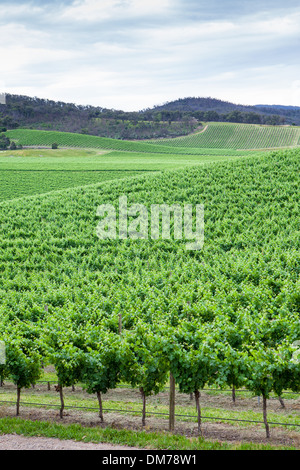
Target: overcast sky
<point>133,54</point>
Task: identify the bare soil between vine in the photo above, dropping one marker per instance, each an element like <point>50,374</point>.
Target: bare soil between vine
<point>232,434</point>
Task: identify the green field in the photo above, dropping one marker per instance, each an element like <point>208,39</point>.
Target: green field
<point>29,172</point>
<point>224,317</point>
<point>35,171</point>
<point>83,159</point>
<point>27,137</point>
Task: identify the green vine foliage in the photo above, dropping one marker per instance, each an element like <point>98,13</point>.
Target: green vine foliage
<point>225,315</point>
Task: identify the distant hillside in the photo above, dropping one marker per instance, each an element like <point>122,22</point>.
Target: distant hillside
<point>211,109</point>
<point>44,114</point>
<point>278,106</point>
<point>203,104</point>
<point>291,114</point>
<point>172,119</point>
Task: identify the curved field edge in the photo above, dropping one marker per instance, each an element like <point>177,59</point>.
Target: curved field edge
<point>237,136</point>
<point>31,137</point>
<point>240,246</point>
<point>15,185</point>
<point>83,201</point>
<point>128,179</point>
<point>34,171</point>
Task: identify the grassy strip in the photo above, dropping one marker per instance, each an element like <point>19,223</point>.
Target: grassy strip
<point>141,439</point>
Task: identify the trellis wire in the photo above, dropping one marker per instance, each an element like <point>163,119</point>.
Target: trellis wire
<point>150,413</point>
<point>203,390</point>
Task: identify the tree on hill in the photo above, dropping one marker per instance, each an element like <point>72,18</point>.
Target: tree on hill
<point>13,146</point>
<point>4,142</point>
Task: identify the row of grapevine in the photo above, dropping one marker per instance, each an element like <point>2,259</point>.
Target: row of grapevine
<point>28,137</point>
<point>237,136</point>
<point>227,314</point>
<point>218,353</point>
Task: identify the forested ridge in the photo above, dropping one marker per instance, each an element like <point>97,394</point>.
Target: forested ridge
<point>176,118</point>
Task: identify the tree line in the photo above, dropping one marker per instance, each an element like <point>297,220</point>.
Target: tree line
<point>6,143</point>
<point>169,120</point>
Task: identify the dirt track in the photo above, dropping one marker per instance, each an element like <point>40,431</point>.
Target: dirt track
<point>14,442</point>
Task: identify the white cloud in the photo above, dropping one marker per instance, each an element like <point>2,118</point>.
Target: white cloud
<point>99,11</point>
<point>10,12</point>
<point>203,33</point>
<point>295,91</point>
<point>130,54</point>
<point>283,26</point>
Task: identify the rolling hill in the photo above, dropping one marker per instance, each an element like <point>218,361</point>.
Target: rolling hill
<point>238,136</point>
<point>218,138</point>
<point>171,119</point>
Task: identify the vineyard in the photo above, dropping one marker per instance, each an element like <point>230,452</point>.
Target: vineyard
<point>237,136</point>
<point>28,137</point>
<point>28,172</point>
<point>149,313</point>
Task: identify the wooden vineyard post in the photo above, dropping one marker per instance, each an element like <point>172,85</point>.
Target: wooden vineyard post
<point>197,395</point>
<point>62,402</point>
<point>100,406</point>
<point>265,416</point>
<point>18,400</point>
<point>233,394</point>
<point>172,404</point>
